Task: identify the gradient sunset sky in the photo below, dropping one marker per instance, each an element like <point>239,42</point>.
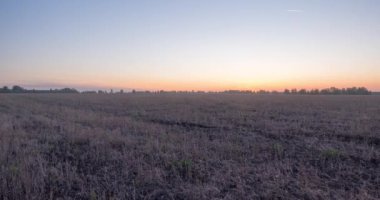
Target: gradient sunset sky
<point>190,45</point>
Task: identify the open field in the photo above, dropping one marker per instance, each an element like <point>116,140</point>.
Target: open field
<point>189,146</point>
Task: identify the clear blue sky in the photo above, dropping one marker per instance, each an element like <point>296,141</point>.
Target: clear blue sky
<point>204,44</point>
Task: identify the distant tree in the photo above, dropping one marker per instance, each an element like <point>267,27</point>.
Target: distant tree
<point>302,91</point>
<point>363,91</point>
<point>274,92</point>
<point>352,90</point>
<point>121,91</point>
<point>5,89</point>
<point>17,89</point>
<point>324,91</point>
<point>294,91</point>
<point>314,91</point>
<point>230,91</point>
<point>89,92</point>
<point>286,91</point>
<point>334,90</point>
<point>262,92</point>
<point>246,91</point>
<point>67,90</point>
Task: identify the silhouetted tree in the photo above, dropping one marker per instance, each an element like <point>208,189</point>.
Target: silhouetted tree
<point>17,89</point>
<point>363,91</point>
<point>324,91</point>
<point>274,92</point>
<point>302,91</point>
<point>67,90</point>
<point>5,89</point>
<point>262,92</point>
<point>314,91</point>
<point>89,92</point>
<point>334,90</point>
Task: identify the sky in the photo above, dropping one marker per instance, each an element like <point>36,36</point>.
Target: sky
<point>190,45</point>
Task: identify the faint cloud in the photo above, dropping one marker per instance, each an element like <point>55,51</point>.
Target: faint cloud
<point>295,11</point>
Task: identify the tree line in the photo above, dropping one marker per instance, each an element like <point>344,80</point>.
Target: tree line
<point>326,91</point>
<point>331,91</point>
<point>19,89</point>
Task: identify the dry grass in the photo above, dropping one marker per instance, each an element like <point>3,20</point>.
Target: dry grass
<point>189,146</point>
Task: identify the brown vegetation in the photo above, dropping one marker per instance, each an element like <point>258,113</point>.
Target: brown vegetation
<point>189,146</point>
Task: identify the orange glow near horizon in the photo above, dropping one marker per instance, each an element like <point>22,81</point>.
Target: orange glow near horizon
<point>221,83</point>
<point>214,85</point>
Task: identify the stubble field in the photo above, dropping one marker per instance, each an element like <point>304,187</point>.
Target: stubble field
<point>189,146</point>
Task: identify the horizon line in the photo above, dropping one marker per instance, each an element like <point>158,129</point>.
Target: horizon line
<point>116,89</point>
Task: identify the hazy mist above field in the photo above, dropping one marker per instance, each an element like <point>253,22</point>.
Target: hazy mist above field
<point>185,45</point>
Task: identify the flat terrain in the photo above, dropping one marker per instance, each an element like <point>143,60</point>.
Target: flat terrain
<point>189,146</point>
